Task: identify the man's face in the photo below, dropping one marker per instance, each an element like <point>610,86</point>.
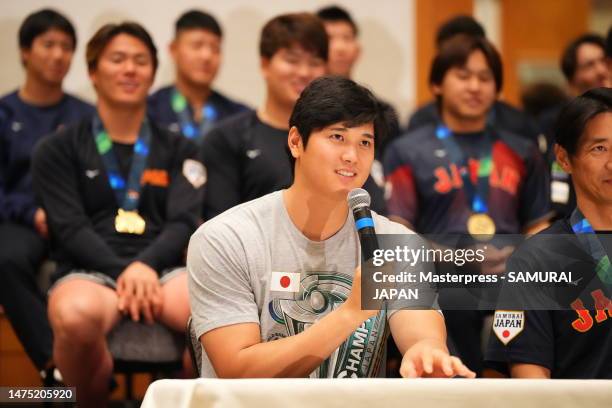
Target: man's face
<point>468,92</point>
<point>289,71</point>
<point>197,55</point>
<point>591,69</point>
<point>343,48</point>
<point>336,159</point>
<point>125,71</point>
<point>49,56</point>
<point>591,166</point>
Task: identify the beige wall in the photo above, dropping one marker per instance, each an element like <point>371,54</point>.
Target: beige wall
<point>387,34</point>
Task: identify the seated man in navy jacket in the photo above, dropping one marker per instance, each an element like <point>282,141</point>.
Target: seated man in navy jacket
<point>190,106</point>
<point>40,106</point>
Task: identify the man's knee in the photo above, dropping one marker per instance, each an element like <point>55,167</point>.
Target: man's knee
<point>176,308</point>
<point>76,319</point>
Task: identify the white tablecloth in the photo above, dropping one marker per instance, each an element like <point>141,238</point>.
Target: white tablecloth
<point>375,393</point>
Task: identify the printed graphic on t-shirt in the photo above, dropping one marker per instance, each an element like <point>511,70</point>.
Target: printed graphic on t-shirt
<point>320,293</point>
<point>586,318</point>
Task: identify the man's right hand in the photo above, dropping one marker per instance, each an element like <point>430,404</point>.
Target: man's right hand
<point>40,223</point>
<point>139,290</point>
<point>353,302</point>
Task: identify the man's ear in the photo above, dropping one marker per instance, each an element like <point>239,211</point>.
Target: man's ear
<point>294,141</point>
<point>92,76</point>
<point>263,66</point>
<point>24,53</point>
<point>435,89</point>
<point>172,49</point>
<point>563,158</point>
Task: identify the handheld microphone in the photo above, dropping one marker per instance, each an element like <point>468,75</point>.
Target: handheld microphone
<point>359,202</point>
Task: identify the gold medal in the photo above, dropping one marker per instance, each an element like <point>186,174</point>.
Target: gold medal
<point>481,226</point>
<point>129,222</point>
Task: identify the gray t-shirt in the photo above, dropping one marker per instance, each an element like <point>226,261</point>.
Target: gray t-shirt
<point>251,264</point>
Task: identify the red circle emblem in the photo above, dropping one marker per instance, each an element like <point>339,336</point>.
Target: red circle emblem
<point>506,333</point>
<point>285,281</point>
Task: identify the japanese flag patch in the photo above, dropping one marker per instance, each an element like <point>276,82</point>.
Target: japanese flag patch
<point>194,172</point>
<point>507,324</point>
<point>285,282</point>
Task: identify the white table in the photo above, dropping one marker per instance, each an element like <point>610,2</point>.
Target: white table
<point>375,393</point>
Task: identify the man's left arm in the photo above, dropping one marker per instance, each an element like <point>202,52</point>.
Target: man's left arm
<point>17,203</point>
<point>420,336</point>
<point>183,208</point>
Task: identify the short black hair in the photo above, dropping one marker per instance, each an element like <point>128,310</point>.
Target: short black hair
<point>98,42</point>
<point>337,14</point>
<point>286,30</point>
<point>455,53</point>
<point>460,24</point>
<point>41,21</point>
<point>609,43</point>
<point>197,19</point>
<point>577,113</point>
<point>569,58</point>
<point>539,97</point>
<point>335,99</point>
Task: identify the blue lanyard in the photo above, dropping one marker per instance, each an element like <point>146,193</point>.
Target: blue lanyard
<point>190,129</point>
<point>127,194</point>
<point>477,195</point>
<point>589,241</point>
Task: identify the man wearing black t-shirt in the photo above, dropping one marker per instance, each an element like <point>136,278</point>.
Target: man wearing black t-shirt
<point>576,340</point>
<point>191,107</point>
<point>463,173</point>
<point>40,106</point>
<point>246,155</point>
<point>122,197</point>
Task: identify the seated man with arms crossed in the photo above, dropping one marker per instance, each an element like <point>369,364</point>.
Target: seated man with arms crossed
<point>275,283</point>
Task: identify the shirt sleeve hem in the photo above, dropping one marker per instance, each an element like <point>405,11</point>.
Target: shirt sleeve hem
<point>516,358</point>
<point>201,328</point>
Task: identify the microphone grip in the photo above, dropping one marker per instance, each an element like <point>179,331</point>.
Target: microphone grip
<point>366,231</point>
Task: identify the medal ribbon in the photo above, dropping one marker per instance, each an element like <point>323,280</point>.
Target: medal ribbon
<point>189,129</point>
<point>126,193</point>
<point>589,241</point>
<point>477,195</point>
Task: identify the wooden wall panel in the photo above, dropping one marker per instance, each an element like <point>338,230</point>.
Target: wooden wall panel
<point>537,30</point>
<point>429,15</point>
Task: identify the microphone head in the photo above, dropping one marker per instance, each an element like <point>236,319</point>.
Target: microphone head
<point>358,198</point>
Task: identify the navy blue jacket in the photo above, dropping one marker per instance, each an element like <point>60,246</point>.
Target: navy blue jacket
<point>21,126</point>
<point>160,108</point>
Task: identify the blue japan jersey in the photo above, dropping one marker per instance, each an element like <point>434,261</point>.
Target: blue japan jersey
<point>426,189</point>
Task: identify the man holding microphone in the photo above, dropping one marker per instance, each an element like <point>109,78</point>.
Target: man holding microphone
<point>275,283</point>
